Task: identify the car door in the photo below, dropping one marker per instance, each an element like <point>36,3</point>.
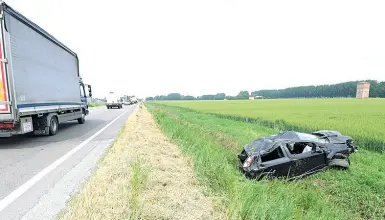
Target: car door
<point>307,162</point>
<point>277,167</point>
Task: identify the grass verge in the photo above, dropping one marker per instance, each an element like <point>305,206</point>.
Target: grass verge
<point>139,177</point>
<point>95,104</point>
<point>212,142</point>
<point>142,176</point>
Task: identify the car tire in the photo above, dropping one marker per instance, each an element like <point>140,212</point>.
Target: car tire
<point>82,120</point>
<point>53,126</point>
<point>339,163</point>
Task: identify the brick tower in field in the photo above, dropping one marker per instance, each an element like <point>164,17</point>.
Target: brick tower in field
<point>363,90</point>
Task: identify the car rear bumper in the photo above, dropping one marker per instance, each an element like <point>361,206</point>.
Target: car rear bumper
<point>114,105</point>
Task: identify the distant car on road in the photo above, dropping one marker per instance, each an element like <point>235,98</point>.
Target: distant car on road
<point>293,154</point>
<point>113,100</point>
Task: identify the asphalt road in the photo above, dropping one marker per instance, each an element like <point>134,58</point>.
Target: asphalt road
<point>39,174</point>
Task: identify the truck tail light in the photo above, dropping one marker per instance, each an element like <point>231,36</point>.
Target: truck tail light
<point>7,125</point>
<point>248,162</point>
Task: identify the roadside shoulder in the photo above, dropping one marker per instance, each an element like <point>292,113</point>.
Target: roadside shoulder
<point>143,175</point>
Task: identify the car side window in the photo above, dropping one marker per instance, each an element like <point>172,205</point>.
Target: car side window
<point>299,147</point>
<point>275,154</point>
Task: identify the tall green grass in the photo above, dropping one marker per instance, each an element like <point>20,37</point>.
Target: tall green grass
<point>363,119</point>
<point>139,176</point>
<point>213,144</point>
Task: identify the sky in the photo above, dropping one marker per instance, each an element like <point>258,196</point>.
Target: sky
<point>151,47</point>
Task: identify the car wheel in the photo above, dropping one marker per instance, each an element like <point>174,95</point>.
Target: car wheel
<point>53,126</point>
<point>339,163</point>
<point>82,120</point>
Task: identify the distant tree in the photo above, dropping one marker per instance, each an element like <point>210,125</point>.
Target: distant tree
<point>243,95</point>
<point>231,97</point>
<point>220,96</point>
<point>188,97</point>
<point>174,96</point>
<point>207,97</point>
<point>149,98</point>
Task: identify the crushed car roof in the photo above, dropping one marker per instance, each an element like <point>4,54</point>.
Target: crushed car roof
<point>266,144</point>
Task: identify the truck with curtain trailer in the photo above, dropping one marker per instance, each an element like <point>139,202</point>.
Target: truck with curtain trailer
<point>40,83</point>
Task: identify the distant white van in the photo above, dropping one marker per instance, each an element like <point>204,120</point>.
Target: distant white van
<point>113,100</point>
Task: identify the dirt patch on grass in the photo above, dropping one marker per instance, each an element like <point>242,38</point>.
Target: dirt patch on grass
<point>143,176</point>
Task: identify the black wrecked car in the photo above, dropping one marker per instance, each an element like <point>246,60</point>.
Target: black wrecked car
<point>293,154</point>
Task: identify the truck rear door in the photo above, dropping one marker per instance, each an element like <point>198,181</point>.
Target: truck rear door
<point>5,108</point>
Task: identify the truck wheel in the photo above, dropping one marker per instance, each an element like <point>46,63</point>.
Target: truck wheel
<point>53,126</point>
<point>82,120</point>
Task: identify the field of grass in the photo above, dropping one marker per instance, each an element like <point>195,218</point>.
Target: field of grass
<point>213,143</point>
<point>364,120</point>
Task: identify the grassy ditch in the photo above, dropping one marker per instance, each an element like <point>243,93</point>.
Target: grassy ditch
<point>213,143</point>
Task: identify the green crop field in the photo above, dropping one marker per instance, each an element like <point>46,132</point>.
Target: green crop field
<point>364,120</point>
<point>213,140</point>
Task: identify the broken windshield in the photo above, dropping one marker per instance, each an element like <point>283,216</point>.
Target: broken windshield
<point>310,137</point>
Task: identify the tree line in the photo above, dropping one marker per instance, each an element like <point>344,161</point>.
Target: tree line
<point>219,96</point>
<point>346,89</point>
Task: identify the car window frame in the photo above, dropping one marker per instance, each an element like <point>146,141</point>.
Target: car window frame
<point>285,157</point>
<point>302,155</point>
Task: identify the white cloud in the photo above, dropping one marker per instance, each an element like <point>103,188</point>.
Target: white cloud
<point>200,47</point>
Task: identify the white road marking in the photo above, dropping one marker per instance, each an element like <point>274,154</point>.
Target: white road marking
<point>31,182</point>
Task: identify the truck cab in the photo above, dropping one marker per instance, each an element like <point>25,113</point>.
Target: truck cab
<point>85,94</point>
